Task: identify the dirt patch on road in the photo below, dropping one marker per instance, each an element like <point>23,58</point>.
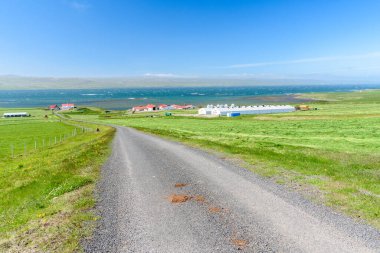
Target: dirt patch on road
<point>180,185</point>
<point>239,243</point>
<point>179,198</point>
<point>200,198</point>
<point>214,209</point>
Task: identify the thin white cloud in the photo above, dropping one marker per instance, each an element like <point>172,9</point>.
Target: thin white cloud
<point>159,75</point>
<point>308,60</point>
<point>169,75</point>
<point>79,6</point>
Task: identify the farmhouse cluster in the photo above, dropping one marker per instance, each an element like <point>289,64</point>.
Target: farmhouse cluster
<point>209,110</point>
<point>63,107</point>
<point>232,110</point>
<point>151,107</point>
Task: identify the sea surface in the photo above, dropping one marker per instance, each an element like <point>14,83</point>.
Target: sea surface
<point>125,98</point>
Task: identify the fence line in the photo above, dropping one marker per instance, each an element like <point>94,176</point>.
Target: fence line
<point>39,143</point>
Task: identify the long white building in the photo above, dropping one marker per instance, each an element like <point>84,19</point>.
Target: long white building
<point>222,110</point>
<point>15,114</point>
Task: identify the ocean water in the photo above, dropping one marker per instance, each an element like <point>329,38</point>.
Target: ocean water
<point>128,97</point>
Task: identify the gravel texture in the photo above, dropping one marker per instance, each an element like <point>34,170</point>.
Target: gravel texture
<point>227,208</point>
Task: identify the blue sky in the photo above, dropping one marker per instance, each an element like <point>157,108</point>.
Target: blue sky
<point>264,39</point>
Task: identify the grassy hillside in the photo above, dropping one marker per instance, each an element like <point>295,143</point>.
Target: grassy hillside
<point>22,136</point>
<point>332,155</point>
<point>46,195</point>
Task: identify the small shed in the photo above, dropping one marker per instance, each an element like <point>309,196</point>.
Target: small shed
<point>233,114</point>
<point>303,107</point>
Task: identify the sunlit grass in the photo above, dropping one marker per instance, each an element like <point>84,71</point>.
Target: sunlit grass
<point>46,196</point>
<point>333,152</point>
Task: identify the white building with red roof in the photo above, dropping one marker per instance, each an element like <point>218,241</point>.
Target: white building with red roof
<point>54,107</point>
<point>67,106</point>
<point>144,108</point>
<point>151,107</point>
<point>182,107</point>
<point>163,107</point>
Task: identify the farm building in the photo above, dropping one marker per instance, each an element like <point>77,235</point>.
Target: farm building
<point>54,107</point>
<point>182,107</point>
<point>67,106</point>
<point>16,114</point>
<point>164,107</point>
<point>144,108</point>
<point>223,110</point>
<point>150,107</point>
<point>139,108</point>
<point>206,110</point>
<point>303,107</point>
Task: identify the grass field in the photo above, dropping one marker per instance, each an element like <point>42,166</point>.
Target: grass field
<point>46,195</point>
<point>22,136</point>
<point>332,155</point>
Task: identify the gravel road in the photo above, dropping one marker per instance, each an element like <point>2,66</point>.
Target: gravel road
<point>225,208</point>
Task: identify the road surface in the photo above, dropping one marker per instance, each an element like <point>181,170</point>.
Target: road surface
<point>225,208</point>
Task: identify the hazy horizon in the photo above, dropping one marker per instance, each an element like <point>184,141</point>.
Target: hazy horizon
<point>13,82</point>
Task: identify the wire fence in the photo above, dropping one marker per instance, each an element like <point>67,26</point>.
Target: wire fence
<point>13,149</point>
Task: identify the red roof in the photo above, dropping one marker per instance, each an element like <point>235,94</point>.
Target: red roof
<point>53,106</point>
<point>140,107</point>
<point>143,107</point>
<point>182,106</point>
<point>162,105</point>
<point>67,105</point>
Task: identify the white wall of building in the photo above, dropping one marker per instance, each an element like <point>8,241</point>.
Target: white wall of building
<point>222,110</point>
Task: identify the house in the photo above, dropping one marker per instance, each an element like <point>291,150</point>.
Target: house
<point>150,107</point>
<point>67,106</point>
<point>164,107</point>
<point>54,107</point>
<point>144,108</point>
<point>139,108</point>
<point>16,114</point>
<point>182,107</point>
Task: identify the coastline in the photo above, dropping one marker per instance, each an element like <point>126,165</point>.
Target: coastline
<point>122,99</point>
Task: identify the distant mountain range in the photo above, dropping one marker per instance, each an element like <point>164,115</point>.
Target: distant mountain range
<point>12,82</point>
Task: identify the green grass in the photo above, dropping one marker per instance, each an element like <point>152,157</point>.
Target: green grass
<point>365,96</point>
<point>23,136</point>
<point>46,197</point>
<point>332,154</point>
